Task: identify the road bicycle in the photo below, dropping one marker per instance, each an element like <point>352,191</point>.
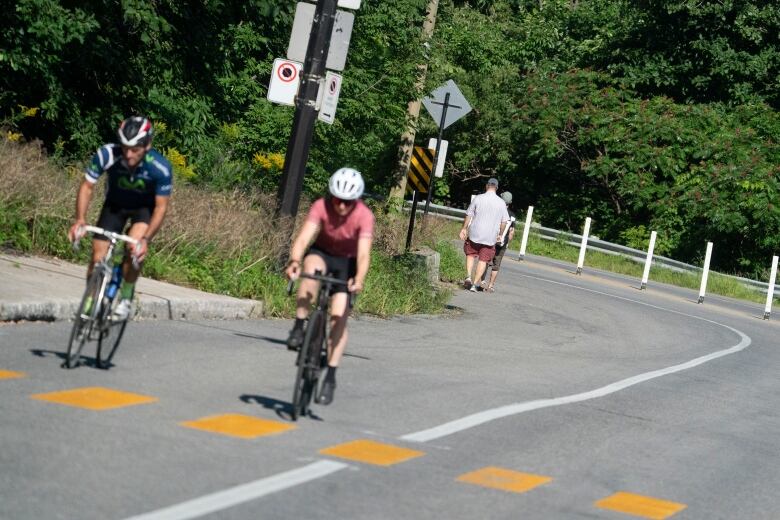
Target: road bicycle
<point>313,354</point>
<point>93,320</point>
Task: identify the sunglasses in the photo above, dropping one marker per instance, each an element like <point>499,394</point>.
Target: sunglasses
<point>337,200</point>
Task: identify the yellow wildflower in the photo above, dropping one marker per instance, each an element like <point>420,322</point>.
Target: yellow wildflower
<point>29,111</point>
<point>13,136</point>
<point>179,162</point>
<point>271,162</point>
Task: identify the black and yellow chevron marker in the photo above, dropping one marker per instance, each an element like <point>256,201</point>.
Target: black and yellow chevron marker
<point>420,168</point>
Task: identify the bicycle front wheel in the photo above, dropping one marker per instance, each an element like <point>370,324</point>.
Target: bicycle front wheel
<point>107,345</point>
<point>84,320</point>
<point>304,380</point>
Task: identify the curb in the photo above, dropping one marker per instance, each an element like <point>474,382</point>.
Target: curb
<point>149,307</point>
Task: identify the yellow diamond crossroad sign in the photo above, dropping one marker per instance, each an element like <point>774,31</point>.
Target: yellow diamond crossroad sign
<point>420,168</point>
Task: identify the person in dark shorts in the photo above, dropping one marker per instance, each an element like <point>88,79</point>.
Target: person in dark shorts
<point>508,235</point>
<point>483,226</point>
<point>342,229</point>
<point>139,183</point>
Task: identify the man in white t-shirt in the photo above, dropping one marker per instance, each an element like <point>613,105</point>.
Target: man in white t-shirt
<point>483,226</point>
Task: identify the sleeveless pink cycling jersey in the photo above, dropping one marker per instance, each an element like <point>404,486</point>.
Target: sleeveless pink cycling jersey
<point>339,235</point>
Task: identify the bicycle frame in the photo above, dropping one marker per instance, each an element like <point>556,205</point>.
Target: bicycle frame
<point>95,323</point>
<point>313,352</point>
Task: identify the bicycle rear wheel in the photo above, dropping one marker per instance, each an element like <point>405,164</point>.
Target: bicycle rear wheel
<point>84,319</point>
<point>305,379</point>
<point>108,341</point>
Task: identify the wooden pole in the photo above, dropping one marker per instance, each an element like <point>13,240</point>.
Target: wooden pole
<point>406,148</point>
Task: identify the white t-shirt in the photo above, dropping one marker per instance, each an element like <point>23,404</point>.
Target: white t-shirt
<point>487,212</point>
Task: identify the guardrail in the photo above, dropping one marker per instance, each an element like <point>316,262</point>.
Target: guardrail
<point>596,244</point>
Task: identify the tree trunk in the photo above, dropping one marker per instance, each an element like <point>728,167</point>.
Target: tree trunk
<point>412,113</point>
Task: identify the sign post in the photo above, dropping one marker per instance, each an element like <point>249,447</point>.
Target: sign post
<point>305,108</point>
<point>446,105</point>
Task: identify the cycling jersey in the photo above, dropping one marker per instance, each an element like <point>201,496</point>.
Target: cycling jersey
<point>136,189</point>
<point>339,235</point>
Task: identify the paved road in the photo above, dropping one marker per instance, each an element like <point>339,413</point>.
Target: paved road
<point>559,396</point>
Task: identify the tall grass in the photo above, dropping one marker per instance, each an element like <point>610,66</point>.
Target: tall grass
<point>228,243</point>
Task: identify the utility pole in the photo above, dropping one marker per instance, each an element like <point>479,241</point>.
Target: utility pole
<point>413,110</point>
<point>305,112</point>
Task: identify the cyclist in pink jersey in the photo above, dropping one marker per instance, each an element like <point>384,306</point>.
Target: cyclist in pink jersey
<point>341,228</point>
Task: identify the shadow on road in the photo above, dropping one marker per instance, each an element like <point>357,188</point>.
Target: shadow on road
<point>275,341</point>
<point>283,409</point>
<point>83,360</point>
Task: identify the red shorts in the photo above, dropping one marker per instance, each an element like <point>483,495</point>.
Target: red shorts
<point>485,253</point>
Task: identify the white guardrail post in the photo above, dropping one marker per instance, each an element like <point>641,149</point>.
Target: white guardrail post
<point>648,261</point>
<point>583,246</point>
<point>526,229</point>
<point>771,291</point>
<point>705,272</point>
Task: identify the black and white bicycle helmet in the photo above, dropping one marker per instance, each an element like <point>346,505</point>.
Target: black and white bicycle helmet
<point>135,131</point>
<point>346,184</point>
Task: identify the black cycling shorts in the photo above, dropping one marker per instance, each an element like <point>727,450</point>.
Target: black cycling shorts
<point>115,219</point>
<point>340,267</point>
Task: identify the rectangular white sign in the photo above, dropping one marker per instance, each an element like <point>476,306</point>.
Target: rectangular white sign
<point>442,156</point>
<point>339,36</point>
<point>330,97</point>
<point>349,4</point>
<point>285,80</point>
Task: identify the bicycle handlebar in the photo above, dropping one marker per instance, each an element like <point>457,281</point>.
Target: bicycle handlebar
<point>318,277</point>
<point>110,235</point>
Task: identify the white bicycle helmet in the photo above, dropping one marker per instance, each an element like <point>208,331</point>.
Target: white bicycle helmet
<point>346,184</point>
<point>135,131</point>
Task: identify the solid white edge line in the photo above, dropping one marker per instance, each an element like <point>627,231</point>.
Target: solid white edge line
<point>476,419</point>
<point>244,492</point>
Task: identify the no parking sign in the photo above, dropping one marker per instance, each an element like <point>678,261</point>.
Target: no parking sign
<point>330,97</point>
<point>285,80</point>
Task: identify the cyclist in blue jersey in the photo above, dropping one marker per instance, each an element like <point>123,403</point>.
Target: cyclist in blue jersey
<point>139,183</point>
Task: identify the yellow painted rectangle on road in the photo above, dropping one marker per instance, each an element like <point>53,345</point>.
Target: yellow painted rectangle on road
<point>8,374</point>
<point>238,425</point>
<point>372,452</point>
<point>639,505</point>
<point>95,398</point>
<point>504,479</point>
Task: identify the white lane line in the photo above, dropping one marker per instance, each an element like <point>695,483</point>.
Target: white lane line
<point>476,419</point>
<point>243,493</point>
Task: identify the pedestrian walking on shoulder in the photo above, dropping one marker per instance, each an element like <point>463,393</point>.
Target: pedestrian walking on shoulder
<point>506,237</point>
<point>485,221</point>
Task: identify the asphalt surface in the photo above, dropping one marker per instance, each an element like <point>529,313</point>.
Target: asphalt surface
<point>558,396</point>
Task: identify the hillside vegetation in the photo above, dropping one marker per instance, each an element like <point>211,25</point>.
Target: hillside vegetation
<point>644,115</point>
<point>228,243</point>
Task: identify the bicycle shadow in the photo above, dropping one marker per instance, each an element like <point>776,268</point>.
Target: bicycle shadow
<point>277,341</point>
<point>269,339</point>
<point>83,360</point>
<point>283,409</point>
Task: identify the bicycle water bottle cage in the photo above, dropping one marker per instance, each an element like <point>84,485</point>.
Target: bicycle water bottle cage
<point>116,279</point>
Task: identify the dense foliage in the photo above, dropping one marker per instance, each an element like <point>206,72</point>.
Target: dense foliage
<point>643,114</point>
